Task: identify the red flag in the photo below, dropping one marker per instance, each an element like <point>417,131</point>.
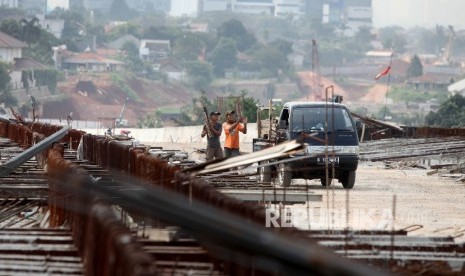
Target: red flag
<point>383,73</point>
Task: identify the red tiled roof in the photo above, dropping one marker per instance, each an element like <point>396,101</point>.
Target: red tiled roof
<point>90,58</point>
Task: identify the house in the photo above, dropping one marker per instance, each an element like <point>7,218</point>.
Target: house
<point>120,41</point>
<point>10,48</point>
<point>89,61</point>
<point>457,88</point>
<point>431,82</point>
<point>173,70</point>
<point>53,26</point>
<point>154,50</point>
<point>21,65</point>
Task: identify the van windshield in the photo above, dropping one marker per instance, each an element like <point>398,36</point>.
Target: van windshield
<point>310,119</point>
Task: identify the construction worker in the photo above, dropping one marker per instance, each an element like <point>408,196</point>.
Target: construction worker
<point>214,150</point>
<point>231,128</point>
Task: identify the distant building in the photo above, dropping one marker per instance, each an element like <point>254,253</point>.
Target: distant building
<point>290,8</point>
<point>91,62</point>
<point>120,41</point>
<point>53,26</point>
<point>11,4</point>
<point>100,5</point>
<point>254,7</point>
<point>173,70</point>
<point>187,8</point>
<point>11,53</point>
<point>33,7</point>
<point>154,50</point>
<point>457,88</point>
<point>10,48</point>
<point>350,14</point>
<point>144,6</point>
<point>214,5</point>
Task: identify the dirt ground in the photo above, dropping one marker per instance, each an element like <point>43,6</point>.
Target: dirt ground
<point>381,198</point>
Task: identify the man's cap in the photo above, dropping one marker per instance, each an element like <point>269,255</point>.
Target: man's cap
<point>214,113</point>
<point>230,112</point>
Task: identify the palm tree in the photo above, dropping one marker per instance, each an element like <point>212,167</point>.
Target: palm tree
<point>31,30</point>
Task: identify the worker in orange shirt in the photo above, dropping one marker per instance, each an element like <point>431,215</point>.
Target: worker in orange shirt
<point>231,128</point>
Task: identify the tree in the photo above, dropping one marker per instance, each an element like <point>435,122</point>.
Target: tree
<point>200,74</point>
<point>131,57</point>
<point>270,60</point>
<point>234,30</point>
<point>31,30</point>
<point>124,29</point>
<point>451,113</point>
<point>5,86</point>
<point>151,120</point>
<point>188,47</point>
<point>11,27</point>
<point>393,38</point>
<point>416,68</point>
<point>363,38</point>
<point>223,56</point>
<point>192,114</point>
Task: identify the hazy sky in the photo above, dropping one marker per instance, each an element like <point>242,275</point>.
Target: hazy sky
<point>428,13</point>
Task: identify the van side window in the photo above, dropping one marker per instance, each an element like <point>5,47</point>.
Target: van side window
<point>284,117</point>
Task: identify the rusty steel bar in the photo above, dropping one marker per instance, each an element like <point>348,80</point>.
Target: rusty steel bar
<point>22,158</point>
<point>292,256</point>
<point>106,245</point>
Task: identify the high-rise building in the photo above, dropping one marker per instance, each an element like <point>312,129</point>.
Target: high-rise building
<point>9,3</point>
<point>184,8</point>
<point>290,8</point>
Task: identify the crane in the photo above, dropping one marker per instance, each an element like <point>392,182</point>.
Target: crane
<point>450,43</point>
<point>120,122</point>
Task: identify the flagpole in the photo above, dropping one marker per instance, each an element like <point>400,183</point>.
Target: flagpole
<point>387,87</point>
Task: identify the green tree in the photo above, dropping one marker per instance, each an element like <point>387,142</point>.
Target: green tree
<point>393,38</point>
<point>40,50</point>
<point>284,46</point>
<point>5,86</point>
<point>193,114</point>
<point>223,56</point>
<point>151,120</point>
<point>131,57</point>
<point>234,30</point>
<point>188,47</point>
<point>363,38</point>
<point>451,113</point>
<point>200,74</point>
<point>31,30</point>
<point>124,29</point>
<point>12,27</point>
<point>39,42</point>
<point>416,68</point>
<point>270,60</point>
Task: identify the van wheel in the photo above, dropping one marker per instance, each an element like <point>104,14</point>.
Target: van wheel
<point>323,181</point>
<point>264,173</point>
<point>348,180</point>
<point>284,175</point>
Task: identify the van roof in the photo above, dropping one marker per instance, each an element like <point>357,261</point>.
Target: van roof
<point>308,104</point>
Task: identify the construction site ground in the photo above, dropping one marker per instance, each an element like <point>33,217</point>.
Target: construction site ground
<point>428,203</point>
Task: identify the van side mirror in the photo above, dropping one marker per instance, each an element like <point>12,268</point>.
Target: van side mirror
<point>358,124</point>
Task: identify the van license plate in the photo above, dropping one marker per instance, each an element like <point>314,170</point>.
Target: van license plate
<point>331,160</point>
